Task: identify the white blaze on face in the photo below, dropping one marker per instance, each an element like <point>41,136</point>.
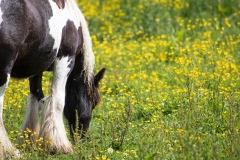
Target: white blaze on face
<point>59,20</point>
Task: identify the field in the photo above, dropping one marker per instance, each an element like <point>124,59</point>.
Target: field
<point>172,83</point>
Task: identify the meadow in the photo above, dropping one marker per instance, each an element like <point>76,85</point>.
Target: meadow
<point>172,83</point>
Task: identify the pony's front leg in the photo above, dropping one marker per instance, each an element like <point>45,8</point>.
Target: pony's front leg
<point>7,150</point>
<point>30,127</point>
<point>7,59</point>
<point>53,130</point>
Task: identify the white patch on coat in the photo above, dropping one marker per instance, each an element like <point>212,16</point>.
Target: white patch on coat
<point>56,23</point>
<point>52,121</point>
<point>73,13</point>
<point>6,147</point>
<point>61,71</point>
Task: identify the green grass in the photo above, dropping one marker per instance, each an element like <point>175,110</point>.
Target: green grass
<point>172,85</point>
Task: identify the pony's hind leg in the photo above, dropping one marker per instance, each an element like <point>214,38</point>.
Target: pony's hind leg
<point>30,127</point>
<point>53,130</point>
<point>6,147</point>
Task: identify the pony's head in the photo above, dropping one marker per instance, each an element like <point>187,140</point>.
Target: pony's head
<point>81,99</point>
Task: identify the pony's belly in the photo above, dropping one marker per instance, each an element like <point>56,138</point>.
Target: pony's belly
<point>32,64</point>
<point>28,70</point>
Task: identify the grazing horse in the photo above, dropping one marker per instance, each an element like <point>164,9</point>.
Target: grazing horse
<point>43,35</point>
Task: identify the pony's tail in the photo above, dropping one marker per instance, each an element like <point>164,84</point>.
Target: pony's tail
<point>88,61</point>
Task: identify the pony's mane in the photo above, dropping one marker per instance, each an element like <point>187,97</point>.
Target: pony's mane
<point>88,61</point>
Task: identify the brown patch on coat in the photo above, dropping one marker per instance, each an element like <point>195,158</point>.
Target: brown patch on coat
<point>60,3</point>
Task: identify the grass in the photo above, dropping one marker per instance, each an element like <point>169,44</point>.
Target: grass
<point>172,86</point>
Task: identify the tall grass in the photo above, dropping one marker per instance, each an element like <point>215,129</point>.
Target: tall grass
<point>172,86</point>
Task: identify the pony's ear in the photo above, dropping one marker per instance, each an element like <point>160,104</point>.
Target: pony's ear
<point>99,76</point>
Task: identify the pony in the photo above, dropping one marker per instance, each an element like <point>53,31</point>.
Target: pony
<point>48,35</point>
